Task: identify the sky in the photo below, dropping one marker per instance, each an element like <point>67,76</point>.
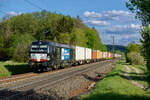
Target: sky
<point>109,17</point>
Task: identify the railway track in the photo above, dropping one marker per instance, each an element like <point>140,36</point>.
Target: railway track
<point>16,77</point>
<point>7,93</point>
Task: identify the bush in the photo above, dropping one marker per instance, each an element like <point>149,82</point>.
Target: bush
<point>21,52</point>
<point>132,48</point>
<point>135,58</point>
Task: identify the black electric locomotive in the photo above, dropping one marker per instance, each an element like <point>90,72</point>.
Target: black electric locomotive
<point>45,55</point>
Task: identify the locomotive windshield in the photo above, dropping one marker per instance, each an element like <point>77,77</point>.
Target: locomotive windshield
<point>39,48</point>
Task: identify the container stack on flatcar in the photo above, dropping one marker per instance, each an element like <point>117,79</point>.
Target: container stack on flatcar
<point>88,55</point>
<point>79,55</point>
<point>94,55</point>
<point>46,55</point>
<point>99,55</point>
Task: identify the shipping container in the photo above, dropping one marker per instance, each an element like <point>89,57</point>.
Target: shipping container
<point>115,55</point>
<point>99,54</point>
<point>109,55</point>
<point>88,54</point>
<point>79,53</point>
<point>112,55</point>
<point>104,55</point>
<point>94,54</point>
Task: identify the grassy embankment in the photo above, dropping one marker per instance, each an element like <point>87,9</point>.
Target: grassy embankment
<point>143,74</point>
<point>117,87</point>
<point>12,68</point>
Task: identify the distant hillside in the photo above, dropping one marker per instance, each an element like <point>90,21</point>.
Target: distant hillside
<point>116,48</point>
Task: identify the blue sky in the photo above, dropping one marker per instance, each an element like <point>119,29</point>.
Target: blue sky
<point>110,17</point>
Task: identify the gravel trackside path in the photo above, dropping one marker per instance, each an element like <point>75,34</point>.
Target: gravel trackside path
<point>127,74</point>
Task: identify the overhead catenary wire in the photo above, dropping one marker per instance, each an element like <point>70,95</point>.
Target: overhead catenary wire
<point>33,4</point>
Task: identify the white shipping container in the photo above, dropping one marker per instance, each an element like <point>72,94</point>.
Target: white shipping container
<point>115,55</point>
<point>79,53</point>
<point>105,55</point>
<point>88,53</point>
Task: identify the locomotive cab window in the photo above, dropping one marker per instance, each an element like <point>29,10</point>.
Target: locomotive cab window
<point>39,48</point>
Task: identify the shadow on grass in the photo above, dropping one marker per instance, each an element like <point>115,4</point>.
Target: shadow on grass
<point>123,63</point>
<point>28,95</point>
<point>18,69</point>
<point>113,96</point>
<point>135,77</point>
<point>142,68</point>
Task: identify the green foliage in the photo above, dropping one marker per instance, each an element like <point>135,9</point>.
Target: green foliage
<point>142,10</point>
<point>80,38</point>
<point>1,41</point>
<point>92,40</point>
<point>2,50</point>
<point>19,31</point>
<point>135,58</point>
<point>146,45</point>
<point>132,48</point>
<point>21,52</point>
<point>18,39</point>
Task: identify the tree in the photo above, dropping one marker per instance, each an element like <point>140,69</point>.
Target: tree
<point>21,52</point>
<point>142,10</point>
<point>146,45</point>
<point>2,50</point>
<point>19,31</point>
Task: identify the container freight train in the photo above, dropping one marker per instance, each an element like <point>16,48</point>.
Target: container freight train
<point>45,56</point>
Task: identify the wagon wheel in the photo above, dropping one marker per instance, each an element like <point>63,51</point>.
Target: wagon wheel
<point>62,65</point>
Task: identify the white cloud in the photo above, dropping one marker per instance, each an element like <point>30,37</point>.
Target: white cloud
<point>116,13</point>
<point>121,39</point>
<point>119,23</point>
<point>109,15</point>
<point>12,13</point>
<point>91,14</point>
<point>97,22</point>
<point>135,26</point>
<point>123,29</point>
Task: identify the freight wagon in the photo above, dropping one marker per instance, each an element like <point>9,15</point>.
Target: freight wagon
<point>99,55</point>
<point>46,55</point>
<point>110,55</point>
<point>104,55</point>
<point>94,55</point>
<point>88,55</point>
<point>79,55</point>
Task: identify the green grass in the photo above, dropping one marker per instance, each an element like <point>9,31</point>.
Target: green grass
<point>116,87</point>
<point>12,68</point>
<point>143,79</point>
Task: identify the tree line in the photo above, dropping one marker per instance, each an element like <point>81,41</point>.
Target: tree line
<point>142,10</point>
<point>17,33</point>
